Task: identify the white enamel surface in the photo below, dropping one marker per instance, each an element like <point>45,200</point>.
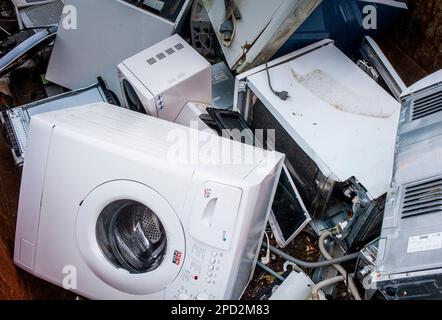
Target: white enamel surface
<point>340,117</point>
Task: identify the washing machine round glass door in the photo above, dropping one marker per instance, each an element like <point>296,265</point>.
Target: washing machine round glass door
<point>130,237</point>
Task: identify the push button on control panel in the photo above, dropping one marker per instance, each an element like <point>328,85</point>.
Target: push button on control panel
<point>200,278</point>
<point>214,262</point>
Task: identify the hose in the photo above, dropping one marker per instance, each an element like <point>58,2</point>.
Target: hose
<point>312,265</point>
<point>324,284</point>
<point>268,270</point>
<point>265,260</point>
<point>350,283</point>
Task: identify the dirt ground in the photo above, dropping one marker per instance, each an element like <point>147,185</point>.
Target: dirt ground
<point>304,247</point>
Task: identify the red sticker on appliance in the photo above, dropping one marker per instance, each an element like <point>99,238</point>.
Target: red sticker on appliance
<point>177,257</point>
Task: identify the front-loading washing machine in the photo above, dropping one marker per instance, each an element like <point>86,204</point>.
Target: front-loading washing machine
<point>119,205</point>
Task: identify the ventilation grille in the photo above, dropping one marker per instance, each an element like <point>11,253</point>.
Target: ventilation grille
<point>162,55</point>
<point>170,51</point>
<point>42,15</point>
<point>423,198</point>
<point>427,105</point>
<point>151,61</point>
<point>179,46</point>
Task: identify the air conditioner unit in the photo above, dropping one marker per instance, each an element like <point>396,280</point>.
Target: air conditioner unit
<point>160,80</point>
<point>409,262</point>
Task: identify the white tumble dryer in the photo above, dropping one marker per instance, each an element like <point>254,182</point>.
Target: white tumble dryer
<point>118,205</point>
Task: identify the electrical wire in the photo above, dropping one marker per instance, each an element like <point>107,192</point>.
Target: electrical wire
<point>283,95</point>
<point>312,265</point>
<point>270,271</point>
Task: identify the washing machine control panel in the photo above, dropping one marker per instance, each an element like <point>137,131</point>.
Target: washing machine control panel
<point>202,276</point>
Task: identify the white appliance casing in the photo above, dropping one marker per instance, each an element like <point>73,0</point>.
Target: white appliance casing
<point>108,31</point>
<point>166,85</point>
<point>264,27</point>
<point>334,107</point>
<point>79,160</point>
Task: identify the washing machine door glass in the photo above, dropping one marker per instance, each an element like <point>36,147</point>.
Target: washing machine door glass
<point>131,236</point>
<point>133,101</point>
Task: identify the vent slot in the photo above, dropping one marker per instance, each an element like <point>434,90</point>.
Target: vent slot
<point>427,105</point>
<point>151,61</point>
<point>179,46</point>
<point>170,51</point>
<point>161,56</point>
<point>423,198</point>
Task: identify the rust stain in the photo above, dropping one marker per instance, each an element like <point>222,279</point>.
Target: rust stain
<point>419,33</point>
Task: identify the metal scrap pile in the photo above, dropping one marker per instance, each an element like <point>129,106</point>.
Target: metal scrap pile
<point>355,212</point>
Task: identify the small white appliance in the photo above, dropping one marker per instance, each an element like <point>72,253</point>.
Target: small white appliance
<point>116,205</point>
<point>160,80</point>
<point>104,33</point>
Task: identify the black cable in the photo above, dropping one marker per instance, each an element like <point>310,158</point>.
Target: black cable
<point>283,95</point>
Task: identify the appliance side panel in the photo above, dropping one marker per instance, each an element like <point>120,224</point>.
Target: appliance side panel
<point>197,89</point>
<point>252,231</point>
<point>32,187</point>
<point>146,97</point>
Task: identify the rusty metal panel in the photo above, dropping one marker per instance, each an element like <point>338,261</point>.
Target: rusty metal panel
<point>419,33</point>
